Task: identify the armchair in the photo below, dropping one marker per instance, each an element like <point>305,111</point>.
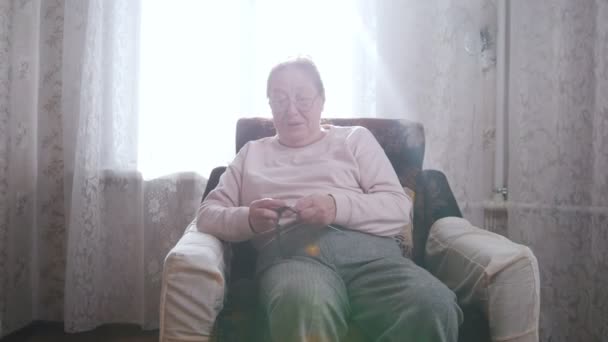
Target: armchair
<point>206,292</point>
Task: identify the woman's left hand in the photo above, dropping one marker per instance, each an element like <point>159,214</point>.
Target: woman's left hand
<point>318,209</point>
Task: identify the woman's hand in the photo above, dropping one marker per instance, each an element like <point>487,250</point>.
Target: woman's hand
<point>316,209</point>
<point>263,214</point>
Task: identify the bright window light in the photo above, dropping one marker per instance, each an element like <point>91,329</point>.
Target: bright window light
<point>204,65</point>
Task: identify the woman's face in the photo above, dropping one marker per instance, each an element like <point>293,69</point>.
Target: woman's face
<point>296,107</point>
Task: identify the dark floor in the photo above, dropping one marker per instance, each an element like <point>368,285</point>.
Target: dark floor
<point>53,332</point>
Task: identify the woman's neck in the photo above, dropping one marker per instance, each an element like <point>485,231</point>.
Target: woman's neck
<point>304,142</point>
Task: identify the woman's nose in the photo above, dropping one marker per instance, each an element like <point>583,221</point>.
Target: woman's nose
<point>292,109</point>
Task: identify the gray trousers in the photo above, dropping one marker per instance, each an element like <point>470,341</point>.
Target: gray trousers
<point>325,280</point>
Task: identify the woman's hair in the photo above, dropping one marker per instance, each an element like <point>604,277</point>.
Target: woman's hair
<point>303,63</point>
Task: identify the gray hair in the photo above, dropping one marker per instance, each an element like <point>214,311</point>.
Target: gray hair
<point>303,63</point>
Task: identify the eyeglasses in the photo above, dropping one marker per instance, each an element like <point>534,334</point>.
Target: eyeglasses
<point>280,103</point>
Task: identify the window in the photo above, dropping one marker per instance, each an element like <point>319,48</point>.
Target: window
<point>204,64</point>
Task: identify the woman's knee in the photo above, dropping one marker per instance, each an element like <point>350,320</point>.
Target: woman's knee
<point>431,314</point>
<point>304,290</point>
<point>306,297</point>
<point>439,303</point>
<point>299,306</point>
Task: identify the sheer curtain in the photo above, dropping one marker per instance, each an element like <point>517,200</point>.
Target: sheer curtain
<point>82,234</point>
<point>558,124</point>
<point>82,237</point>
<point>104,255</point>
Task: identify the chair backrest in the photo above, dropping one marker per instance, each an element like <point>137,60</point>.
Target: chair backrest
<point>402,140</point>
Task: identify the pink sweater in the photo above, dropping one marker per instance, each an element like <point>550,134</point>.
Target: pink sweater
<point>347,163</point>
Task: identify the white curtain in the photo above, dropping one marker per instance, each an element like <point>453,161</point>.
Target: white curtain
<point>558,152</point>
<point>82,236</point>
<point>83,233</point>
<point>99,116</point>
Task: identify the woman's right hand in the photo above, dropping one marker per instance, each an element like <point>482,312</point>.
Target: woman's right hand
<point>263,214</point>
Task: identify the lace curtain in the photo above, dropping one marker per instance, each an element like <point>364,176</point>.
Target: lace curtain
<point>82,236</point>
<point>558,183</point>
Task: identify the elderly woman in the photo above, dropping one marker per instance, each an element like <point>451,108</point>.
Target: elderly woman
<point>321,204</point>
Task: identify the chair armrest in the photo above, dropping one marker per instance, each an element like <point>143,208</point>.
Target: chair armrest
<point>489,274</point>
<point>434,200</point>
<point>193,287</point>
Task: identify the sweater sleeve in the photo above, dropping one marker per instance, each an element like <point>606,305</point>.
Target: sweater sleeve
<point>221,213</point>
<point>383,208</point>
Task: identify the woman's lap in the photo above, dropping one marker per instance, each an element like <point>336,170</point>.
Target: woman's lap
<point>365,280</point>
